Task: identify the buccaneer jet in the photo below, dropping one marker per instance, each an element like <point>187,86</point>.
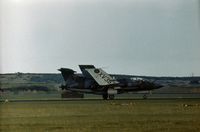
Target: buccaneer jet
<point>96,81</point>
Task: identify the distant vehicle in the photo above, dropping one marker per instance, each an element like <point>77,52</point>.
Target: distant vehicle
<point>97,81</point>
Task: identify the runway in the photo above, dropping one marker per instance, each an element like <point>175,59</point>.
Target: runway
<point>82,100</point>
<point>31,97</point>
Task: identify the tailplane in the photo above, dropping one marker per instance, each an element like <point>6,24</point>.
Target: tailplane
<point>66,73</point>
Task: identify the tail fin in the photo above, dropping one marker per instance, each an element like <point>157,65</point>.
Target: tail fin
<point>66,73</point>
<point>101,77</point>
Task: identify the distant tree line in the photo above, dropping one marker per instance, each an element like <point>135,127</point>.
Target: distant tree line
<point>54,78</point>
<point>27,88</point>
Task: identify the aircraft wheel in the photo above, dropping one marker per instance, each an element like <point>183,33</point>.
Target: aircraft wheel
<point>105,96</point>
<point>111,97</point>
<point>144,96</point>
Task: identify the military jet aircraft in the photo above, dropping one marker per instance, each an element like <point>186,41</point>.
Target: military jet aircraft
<point>97,81</point>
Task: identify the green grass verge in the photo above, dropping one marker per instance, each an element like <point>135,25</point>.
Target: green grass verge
<point>100,115</point>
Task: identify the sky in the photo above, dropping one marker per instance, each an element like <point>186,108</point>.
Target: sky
<point>135,37</point>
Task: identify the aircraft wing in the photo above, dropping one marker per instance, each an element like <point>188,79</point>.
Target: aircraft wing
<point>101,77</point>
<point>83,70</point>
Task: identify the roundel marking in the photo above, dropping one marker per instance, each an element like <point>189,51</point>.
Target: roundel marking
<point>96,70</point>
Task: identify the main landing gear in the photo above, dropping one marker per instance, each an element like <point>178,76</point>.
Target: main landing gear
<point>110,96</point>
<point>145,96</point>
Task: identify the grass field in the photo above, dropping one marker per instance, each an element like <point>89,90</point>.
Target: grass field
<point>99,115</point>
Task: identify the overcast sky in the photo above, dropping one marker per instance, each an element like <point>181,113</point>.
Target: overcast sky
<point>140,37</point>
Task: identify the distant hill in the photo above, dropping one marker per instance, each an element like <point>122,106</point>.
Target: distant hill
<point>51,82</point>
<point>30,81</point>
